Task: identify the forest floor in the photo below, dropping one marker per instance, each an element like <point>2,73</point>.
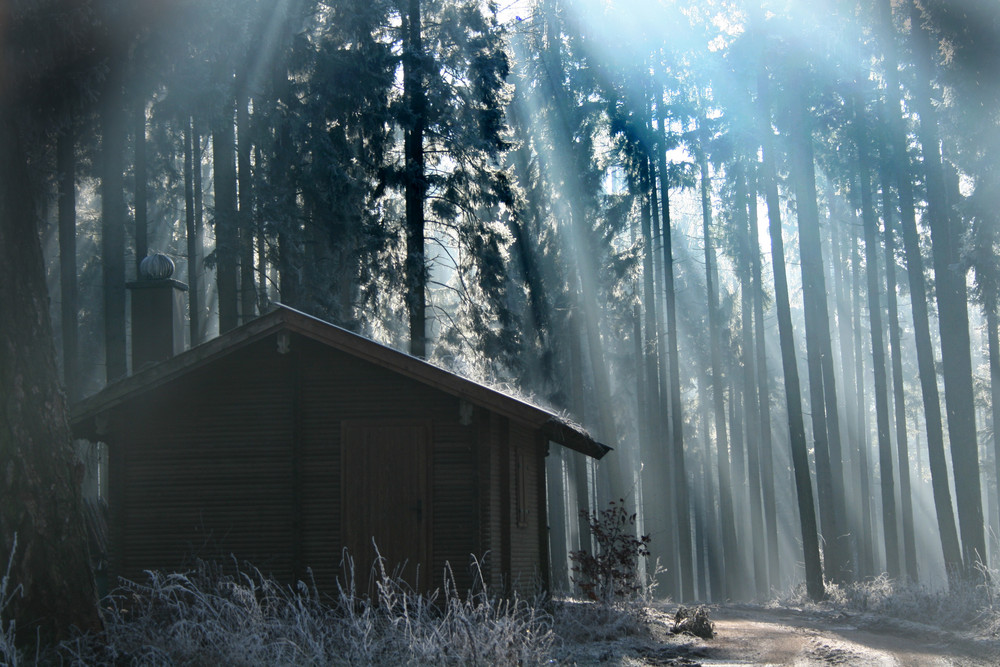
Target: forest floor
<point>785,635</point>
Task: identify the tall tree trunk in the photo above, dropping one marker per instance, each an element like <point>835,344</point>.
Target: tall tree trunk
<point>878,350</point>
<point>750,397</point>
<point>817,335</point>
<point>953,311</point>
<point>729,544</point>
<point>868,567</point>
<point>918,301</point>
<point>589,305</point>
<point>141,226</point>
<point>226,231</point>
<point>285,207</point>
<point>248,290</point>
<point>793,395</point>
<point>199,227</point>
<point>764,392</point>
<point>706,495</point>
<point>263,301</point>
<point>192,230</point>
<point>415,188</point>
<point>658,506</point>
<point>845,333</point>
<point>679,505</point>
<point>581,472</point>
<point>899,401</point>
<point>69,311</point>
<point>538,307</point>
<point>581,251</point>
<point>704,553</point>
<point>113,227</point>
<point>42,506</point>
<point>994,360</point>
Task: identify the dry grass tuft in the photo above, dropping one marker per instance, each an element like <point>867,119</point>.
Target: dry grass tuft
<point>207,617</point>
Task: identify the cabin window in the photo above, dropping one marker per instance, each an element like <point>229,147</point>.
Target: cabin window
<point>520,488</point>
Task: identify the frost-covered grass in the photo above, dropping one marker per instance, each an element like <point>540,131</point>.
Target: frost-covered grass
<point>9,655</point>
<point>209,617</point>
<point>970,604</point>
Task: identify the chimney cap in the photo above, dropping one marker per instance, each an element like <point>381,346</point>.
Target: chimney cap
<point>156,267</point>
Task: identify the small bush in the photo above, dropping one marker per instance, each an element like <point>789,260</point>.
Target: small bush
<point>612,574</point>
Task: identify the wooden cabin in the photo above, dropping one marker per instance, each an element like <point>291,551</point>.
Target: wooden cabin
<point>288,440</point>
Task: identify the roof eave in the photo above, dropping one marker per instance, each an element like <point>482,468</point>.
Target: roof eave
<point>83,414</point>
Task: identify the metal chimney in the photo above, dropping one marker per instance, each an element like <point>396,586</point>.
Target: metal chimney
<point>157,312</point>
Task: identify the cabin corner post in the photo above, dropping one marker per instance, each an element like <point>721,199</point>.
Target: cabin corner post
<point>542,449</point>
<point>116,508</point>
<point>429,519</point>
<point>479,439</point>
<point>506,499</point>
<point>293,362</point>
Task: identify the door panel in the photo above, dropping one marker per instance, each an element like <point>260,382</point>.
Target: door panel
<point>386,499</point>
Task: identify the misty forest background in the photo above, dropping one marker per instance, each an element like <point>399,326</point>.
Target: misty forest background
<point>751,246</point>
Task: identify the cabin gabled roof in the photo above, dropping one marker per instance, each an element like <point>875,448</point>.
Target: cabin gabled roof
<point>283,318</point>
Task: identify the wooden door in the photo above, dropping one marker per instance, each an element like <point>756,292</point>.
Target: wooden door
<point>385,470</point>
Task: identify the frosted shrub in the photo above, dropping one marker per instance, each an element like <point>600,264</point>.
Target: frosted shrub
<point>611,575</point>
<point>208,617</point>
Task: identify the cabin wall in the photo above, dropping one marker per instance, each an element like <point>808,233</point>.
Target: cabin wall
<point>528,562</point>
<point>337,387</point>
<point>203,468</point>
<point>243,457</point>
<point>514,521</point>
<point>495,474</point>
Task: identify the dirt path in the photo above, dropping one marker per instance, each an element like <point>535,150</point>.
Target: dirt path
<point>750,635</point>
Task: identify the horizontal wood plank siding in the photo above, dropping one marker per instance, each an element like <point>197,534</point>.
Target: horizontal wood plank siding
<point>243,456</point>
<point>338,387</point>
<point>206,471</point>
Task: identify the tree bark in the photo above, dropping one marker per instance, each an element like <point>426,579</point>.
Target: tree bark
<point>42,505</point>
<point>677,505</point>
<point>113,227</point>
<point>415,188</point>
<point>141,227</point>
<point>764,393</point>
<point>729,544</point>
<point>868,567</point>
<point>681,503</point>
<point>658,512</point>
<point>69,310</point>
<point>191,228</point>
<point>248,290</point>
<point>870,224</point>
<point>994,360</point>
<point>953,315</point>
<point>796,425</point>
<point>918,302</point>
<point>226,231</point>
<point>750,396</point>
<point>899,400</point>
<point>817,336</point>
<point>705,498</point>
